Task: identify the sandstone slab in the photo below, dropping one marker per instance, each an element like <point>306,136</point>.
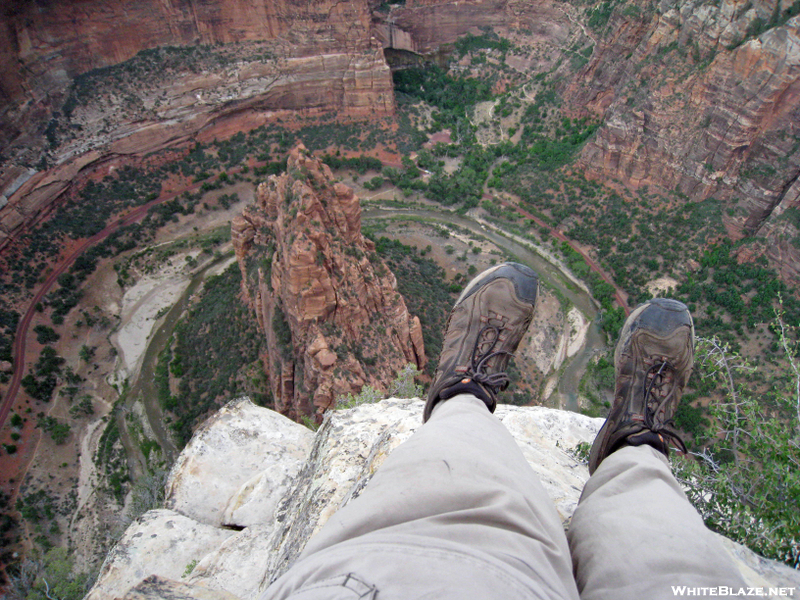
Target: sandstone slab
<point>161,542</point>
<point>239,462</point>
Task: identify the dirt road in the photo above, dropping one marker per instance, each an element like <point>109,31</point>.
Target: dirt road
<point>20,341</point>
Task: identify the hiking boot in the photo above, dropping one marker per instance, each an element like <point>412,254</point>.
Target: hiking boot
<point>652,363</point>
<point>483,330</point>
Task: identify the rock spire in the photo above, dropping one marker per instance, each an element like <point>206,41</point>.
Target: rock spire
<point>325,301</point>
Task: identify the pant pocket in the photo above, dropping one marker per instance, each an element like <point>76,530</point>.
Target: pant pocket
<point>341,587</point>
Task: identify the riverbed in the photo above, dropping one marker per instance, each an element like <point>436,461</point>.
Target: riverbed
<point>152,307</point>
<point>585,341</point>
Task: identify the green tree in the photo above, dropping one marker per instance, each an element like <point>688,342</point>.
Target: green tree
<point>86,353</point>
<point>746,481</point>
<point>402,387</point>
<point>283,332</point>
<point>56,579</point>
<point>45,334</point>
<point>58,431</point>
<point>83,407</point>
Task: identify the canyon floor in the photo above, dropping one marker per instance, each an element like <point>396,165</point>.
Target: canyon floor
<point>125,319</point>
<point>602,134</point>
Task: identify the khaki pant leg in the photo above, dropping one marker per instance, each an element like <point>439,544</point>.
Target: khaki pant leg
<point>462,485</point>
<point>635,535</point>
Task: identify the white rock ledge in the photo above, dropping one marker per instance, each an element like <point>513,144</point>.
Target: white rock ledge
<point>252,487</point>
<point>237,466</point>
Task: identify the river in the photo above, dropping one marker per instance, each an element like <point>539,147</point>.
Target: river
<point>565,395</point>
<point>144,387</point>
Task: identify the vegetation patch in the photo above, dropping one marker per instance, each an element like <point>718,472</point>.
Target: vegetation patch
<point>8,329</point>
<point>452,95</point>
<point>744,481</point>
<point>58,431</point>
<point>110,456</point>
<point>215,356</point>
<point>424,287</point>
<point>40,383</point>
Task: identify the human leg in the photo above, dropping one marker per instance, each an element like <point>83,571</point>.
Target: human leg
<point>634,533</point>
<point>459,486</point>
<point>456,511</point>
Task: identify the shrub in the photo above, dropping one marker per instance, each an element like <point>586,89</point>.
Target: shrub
<point>58,431</point>
<point>45,334</point>
<point>402,387</point>
<point>745,482</point>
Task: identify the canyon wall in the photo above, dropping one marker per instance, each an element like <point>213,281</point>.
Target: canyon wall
<point>423,27</point>
<point>429,26</point>
<point>706,104</point>
<point>191,70</point>
<point>697,99</point>
<point>694,97</point>
<point>327,304</point>
<point>47,44</point>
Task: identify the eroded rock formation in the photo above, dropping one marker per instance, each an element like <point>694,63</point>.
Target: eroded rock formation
<point>325,301</point>
<point>45,46</point>
<point>702,107</point>
<point>695,97</point>
<point>340,459</point>
<point>424,26</point>
<point>210,69</point>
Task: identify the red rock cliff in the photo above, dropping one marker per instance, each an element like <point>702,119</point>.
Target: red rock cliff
<point>46,43</point>
<point>701,106</point>
<point>423,26</point>
<point>325,301</point>
<point>228,67</point>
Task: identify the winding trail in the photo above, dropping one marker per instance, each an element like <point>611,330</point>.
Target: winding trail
<point>20,339</point>
<point>619,294</point>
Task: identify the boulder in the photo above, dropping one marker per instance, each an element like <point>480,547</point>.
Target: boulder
<point>239,462</point>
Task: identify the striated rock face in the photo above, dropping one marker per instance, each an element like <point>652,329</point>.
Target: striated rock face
<point>423,26</point>
<point>211,69</point>
<point>345,452</point>
<point>693,109</point>
<point>426,26</point>
<point>326,303</point>
<point>46,45</point>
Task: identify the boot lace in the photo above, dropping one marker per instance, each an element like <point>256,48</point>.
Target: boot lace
<point>477,370</point>
<point>659,391</point>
